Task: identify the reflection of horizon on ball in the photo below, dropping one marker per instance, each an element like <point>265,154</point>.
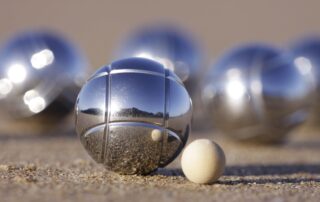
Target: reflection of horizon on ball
<point>256,93</point>
<point>40,75</point>
<point>133,116</point>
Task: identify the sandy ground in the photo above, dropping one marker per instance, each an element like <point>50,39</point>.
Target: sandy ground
<point>56,168</point>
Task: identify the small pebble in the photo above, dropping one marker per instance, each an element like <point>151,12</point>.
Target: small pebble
<point>203,161</point>
<point>4,168</point>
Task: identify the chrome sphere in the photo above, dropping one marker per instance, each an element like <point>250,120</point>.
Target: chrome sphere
<point>256,93</point>
<point>168,46</point>
<point>306,56</point>
<point>133,116</point>
<point>40,76</point>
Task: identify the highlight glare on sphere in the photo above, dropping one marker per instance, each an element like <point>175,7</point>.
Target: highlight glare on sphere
<point>35,102</point>
<point>235,88</point>
<point>5,86</point>
<point>42,59</point>
<point>17,73</point>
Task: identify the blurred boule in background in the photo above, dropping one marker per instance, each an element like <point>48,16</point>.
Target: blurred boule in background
<point>255,92</point>
<point>41,73</point>
<point>168,45</point>
<point>306,56</point>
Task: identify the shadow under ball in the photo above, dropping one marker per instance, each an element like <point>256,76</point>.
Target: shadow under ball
<point>256,93</point>
<point>40,77</point>
<point>169,46</point>
<point>133,116</point>
<point>306,56</point>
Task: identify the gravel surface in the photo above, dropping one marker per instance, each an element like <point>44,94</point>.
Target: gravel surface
<point>56,168</point>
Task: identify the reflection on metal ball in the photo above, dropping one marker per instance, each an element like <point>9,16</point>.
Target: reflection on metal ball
<point>306,56</point>
<point>133,116</point>
<point>255,92</point>
<point>40,76</point>
<point>168,46</point>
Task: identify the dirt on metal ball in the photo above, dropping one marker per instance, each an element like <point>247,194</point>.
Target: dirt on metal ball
<point>40,77</point>
<point>255,92</point>
<point>133,116</point>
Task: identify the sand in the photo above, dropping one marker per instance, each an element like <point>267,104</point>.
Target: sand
<point>57,168</point>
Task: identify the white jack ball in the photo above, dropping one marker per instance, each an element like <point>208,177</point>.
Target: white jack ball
<point>203,161</point>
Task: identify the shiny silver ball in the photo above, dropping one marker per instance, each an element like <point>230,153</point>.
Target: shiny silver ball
<point>169,46</point>
<point>40,77</point>
<point>256,93</point>
<point>306,56</point>
<point>133,116</point>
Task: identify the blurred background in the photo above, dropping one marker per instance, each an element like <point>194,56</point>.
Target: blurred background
<point>98,26</point>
